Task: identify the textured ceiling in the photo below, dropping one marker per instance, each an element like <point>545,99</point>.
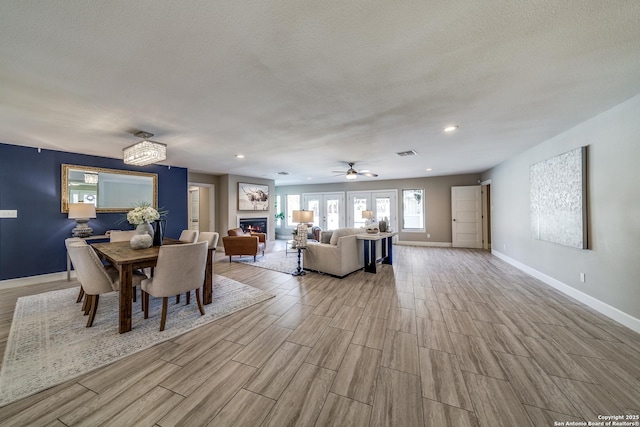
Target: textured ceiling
<point>305,86</point>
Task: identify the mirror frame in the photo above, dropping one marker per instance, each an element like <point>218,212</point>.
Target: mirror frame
<point>64,190</point>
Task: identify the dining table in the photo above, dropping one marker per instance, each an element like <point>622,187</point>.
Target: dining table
<point>126,259</point>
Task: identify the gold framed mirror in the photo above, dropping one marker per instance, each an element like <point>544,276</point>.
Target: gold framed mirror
<point>110,190</point>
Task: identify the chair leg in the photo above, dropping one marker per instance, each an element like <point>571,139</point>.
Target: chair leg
<point>178,299</point>
<point>163,320</point>
<point>80,295</point>
<point>188,297</point>
<point>86,306</point>
<point>145,297</point>
<point>94,308</point>
<point>133,293</point>
<point>254,258</point>
<point>229,258</point>
<point>199,301</point>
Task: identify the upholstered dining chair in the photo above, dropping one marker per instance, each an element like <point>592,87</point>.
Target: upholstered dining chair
<point>68,242</point>
<point>121,236</point>
<point>211,237</point>
<point>189,236</point>
<point>180,268</point>
<point>94,277</point>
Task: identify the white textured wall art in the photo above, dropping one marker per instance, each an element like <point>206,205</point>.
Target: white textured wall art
<point>558,199</point>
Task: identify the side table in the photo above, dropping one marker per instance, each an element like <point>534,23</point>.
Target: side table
<point>299,271</point>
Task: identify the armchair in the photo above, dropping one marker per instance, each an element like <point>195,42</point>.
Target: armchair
<point>240,243</point>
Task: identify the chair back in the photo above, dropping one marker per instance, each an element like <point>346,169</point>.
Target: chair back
<point>211,237</point>
<point>180,268</point>
<point>189,236</point>
<point>89,269</point>
<point>72,240</point>
<point>121,236</point>
<point>237,232</point>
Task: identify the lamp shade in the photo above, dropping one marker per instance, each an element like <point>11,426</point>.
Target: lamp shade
<point>367,214</point>
<point>302,216</point>
<point>82,210</point>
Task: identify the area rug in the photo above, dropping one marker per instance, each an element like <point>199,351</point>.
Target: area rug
<point>277,261</point>
<point>49,343</point>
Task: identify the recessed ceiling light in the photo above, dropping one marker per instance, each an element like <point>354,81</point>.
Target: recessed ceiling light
<point>239,156</point>
<point>450,128</point>
<point>429,169</point>
<point>309,178</point>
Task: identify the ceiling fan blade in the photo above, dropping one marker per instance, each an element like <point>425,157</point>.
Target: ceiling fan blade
<point>342,172</point>
<point>368,174</point>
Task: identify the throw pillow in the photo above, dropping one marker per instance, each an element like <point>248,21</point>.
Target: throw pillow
<point>325,236</point>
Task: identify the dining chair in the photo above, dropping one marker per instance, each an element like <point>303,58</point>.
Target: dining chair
<point>211,237</point>
<point>68,242</point>
<point>180,268</point>
<point>189,236</point>
<point>94,277</point>
<point>121,236</point>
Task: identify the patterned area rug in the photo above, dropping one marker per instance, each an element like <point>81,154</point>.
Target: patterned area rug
<point>49,343</point>
<point>277,261</point>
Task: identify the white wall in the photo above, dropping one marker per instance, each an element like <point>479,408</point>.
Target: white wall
<point>612,264</point>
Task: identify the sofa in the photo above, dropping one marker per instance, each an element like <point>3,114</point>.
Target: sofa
<point>240,243</point>
<point>340,256</point>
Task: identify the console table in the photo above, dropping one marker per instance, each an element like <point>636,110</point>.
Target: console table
<point>370,258</point>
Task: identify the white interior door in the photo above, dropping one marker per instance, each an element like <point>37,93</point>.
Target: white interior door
<point>466,217</point>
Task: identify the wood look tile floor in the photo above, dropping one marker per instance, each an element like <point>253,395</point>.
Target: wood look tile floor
<point>444,337</point>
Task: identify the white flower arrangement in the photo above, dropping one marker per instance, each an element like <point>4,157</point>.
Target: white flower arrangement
<point>141,214</point>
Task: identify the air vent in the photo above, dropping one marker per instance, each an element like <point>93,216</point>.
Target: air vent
<point>283,173</point>
<point>407,153</point>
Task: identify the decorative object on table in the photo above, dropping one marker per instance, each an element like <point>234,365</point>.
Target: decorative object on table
<point>141,241</point>
<point>558,199</point>
<point>142,216</point>
<point>144,152</point>
<point>160,225</point>
<point>253,197</point>
<point>82,212</point>
<point>382,225</point>
<point>302,217</point>
<point>367,215</point>
<point>372,229</point>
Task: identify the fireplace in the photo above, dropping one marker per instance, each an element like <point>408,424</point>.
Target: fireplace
<point>257,225</point>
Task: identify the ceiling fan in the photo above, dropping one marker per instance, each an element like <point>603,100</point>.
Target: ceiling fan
<point>351,173</point>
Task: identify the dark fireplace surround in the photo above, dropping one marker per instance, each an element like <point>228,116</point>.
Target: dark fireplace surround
<point>256,225</point>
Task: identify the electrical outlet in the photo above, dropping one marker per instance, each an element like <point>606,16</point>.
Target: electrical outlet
<point>8,214</point>
<point>582,277</point>
<point>428,236</point>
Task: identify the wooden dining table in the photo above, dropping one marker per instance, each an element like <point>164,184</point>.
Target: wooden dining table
<point>126,259</point>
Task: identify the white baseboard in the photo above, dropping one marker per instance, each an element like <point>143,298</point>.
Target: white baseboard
<point>35,280</point>
<point>604,308</point>
<point>430,244</point>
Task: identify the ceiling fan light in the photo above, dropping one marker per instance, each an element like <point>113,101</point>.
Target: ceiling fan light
<point>351,174</point>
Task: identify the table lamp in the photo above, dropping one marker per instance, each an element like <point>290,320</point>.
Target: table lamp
<point>302,218</point>
<point>82,212</point>
<point>367,215</point>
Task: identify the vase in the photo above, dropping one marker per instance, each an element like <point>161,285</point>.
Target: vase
<point>145,228</point>
<point>160,227</point>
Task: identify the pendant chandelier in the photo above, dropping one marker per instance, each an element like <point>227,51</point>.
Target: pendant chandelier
<point>145,152</point>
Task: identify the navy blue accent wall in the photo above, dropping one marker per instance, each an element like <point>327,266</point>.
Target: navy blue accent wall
<point>33,243</point>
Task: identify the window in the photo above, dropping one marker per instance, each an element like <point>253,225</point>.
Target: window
<point>413,209</point>
<point>293,204</point>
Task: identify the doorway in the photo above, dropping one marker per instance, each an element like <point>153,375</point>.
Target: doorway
<point>201,208</point>
<point>328,209</point>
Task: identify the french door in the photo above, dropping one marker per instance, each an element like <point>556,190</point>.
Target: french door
<point>328,209</point>
<point>383,203</point>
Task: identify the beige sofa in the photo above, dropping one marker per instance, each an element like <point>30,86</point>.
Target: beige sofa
<point>341,256</point>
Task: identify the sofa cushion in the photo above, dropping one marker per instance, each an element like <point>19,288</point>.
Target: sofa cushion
<point>342,232</point>
<point>325,236</point>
